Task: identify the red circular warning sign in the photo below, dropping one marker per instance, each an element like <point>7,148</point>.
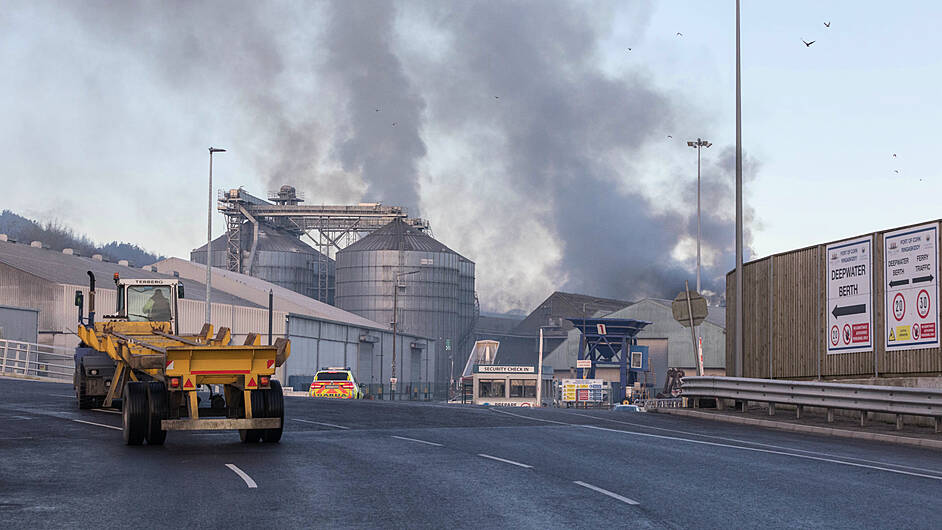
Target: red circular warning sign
<point>915,332</point>
<point>922,304</point>
<point>899,306</point>
<point>835,335</point>
<point>846,333</point>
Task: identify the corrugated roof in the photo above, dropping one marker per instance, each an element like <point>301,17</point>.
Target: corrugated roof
<point>270,239</point>
<point>257,289</point>
<point>715,314</point>
<point>560,305</point>
<point>56,267</point>
<point>397,235</point>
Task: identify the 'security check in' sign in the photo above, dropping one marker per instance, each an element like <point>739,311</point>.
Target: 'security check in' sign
<point>911,256</point>
<point>850,300</point>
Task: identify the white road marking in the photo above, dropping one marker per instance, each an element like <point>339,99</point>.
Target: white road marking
<point>108,411</point>
<point>418,441</point>
<point>504,460</point>
<point>769,451</point>
<point>63,395</point>
<point>21,417</point>
<point>248,480</point>
<point>99,424</point>
<point>529,418</point>
<point>613,495</point>
<point>321,423</point>
<point>756,443</point>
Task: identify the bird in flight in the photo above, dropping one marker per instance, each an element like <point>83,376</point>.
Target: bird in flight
<point>827,24</point>
<point>807,44</point>
<point>496,97</point>
<point>669,136</point>
<point>894,155</point>
<point>629,49</point>
<point>896,171</point>
<point>679,34</point>
<point>377,110</point>
<point>394,123</point>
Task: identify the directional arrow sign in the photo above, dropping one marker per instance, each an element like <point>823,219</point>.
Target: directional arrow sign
<point>849,292</point>
<point>911,258</point>
<point>843,311</point>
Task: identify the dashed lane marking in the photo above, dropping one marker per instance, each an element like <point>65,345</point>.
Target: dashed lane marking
<point>63,395</point>
<point>108,411</point>
<point>322,423</point>
<point>417,441</point>
<point>248,480</point>
<point>613,495</point>
<point>98,424</point>
<point>529,418</point>
<point>505,460</point>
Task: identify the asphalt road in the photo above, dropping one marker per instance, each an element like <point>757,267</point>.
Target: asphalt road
<point>421,465</point>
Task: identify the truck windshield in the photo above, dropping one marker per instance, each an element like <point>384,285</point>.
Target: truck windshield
<point>148,303</point>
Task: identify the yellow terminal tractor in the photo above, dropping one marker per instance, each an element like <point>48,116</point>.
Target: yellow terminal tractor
<point>139,356</point>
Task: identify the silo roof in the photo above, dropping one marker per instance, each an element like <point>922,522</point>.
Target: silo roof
<point>270,239</point>
<point>398,235</point>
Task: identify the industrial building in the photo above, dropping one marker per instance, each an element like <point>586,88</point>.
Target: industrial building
<point>42,282</point>
<point>263,238</point>
<point>809,314</point>
<point>399,274</point>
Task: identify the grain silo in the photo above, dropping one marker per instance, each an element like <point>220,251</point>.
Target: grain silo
<point>279,257</point>
<point>467,310</point>
<point>429,298</point>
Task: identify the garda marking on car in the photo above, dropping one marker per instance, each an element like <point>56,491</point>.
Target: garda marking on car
<point>911,259</point>
<point>850,296</point>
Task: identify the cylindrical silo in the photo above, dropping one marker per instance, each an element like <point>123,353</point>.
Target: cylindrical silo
<point>280,258</point>
<point>467,312</point>
<point>428,297</point>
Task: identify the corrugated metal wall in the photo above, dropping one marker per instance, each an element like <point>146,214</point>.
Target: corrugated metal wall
<point>784,321</point>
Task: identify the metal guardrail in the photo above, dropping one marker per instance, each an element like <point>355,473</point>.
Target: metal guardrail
<point>866,398</point>
<point>41,361</point>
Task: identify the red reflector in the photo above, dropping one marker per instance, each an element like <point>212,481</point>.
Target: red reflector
<point>263,380</point>
<point>174,382</point>
<point>251,382</point>
<point>271,362</point>
<point>188,384</point>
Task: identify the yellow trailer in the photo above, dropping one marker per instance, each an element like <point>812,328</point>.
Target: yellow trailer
<point>158,374</point>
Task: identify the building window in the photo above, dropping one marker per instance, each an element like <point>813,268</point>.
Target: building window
<point>491,388</point>
<point>523,388</point>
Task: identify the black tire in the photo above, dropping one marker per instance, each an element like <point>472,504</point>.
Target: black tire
<point>84,402</point>
<point>259,410</point>
<point>275,409</point>
<point>158,408</point>
<point>134,413</point>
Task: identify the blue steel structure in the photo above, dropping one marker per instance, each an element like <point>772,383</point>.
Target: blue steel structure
<point>611,341</point>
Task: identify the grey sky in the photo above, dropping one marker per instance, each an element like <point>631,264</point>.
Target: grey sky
<point>532,139</point>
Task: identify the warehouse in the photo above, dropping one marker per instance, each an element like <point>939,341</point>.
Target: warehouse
<point>863,308</point>
<point>45,281</point>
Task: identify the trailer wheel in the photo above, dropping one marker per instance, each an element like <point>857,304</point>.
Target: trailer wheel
<point>275,409</point>
<point>158,408</point>
<point>259,410</point>
<point>134,413</point>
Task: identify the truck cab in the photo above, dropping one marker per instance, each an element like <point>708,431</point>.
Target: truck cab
<point>138,300</point>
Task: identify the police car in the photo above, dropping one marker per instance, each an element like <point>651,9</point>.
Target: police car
<point>335,383</point>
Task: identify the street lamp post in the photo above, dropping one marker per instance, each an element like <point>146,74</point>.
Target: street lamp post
<point>209,235</point>
<point>395,326</point>
<point>739,313</point>
<point>698,145</point>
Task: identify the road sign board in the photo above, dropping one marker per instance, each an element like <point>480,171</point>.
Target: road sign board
<point>849,281</point>
<point>393,380</point>
<point>583,363</point>
<point>600,328</point>
<point>911,260</point>
<point>697,303</point>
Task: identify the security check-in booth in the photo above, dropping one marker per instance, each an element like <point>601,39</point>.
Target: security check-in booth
<point>510,386</point>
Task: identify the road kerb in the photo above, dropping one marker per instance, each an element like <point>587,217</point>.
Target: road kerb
<point>813,429</point>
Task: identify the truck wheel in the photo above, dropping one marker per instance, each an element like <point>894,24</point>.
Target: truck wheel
<point>158,408</point>
<point>259,410</point>
<point>275,409</point>
<point>134,413</point>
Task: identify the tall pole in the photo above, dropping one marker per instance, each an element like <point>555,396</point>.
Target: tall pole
<point>209,235</point>
<point>739,256</point>
<point>392,378</point>
<point>539,374</point>
<point>699,146</point>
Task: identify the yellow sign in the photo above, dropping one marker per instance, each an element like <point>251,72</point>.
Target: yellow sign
<point>892,337</point>
<point>902,332</point>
